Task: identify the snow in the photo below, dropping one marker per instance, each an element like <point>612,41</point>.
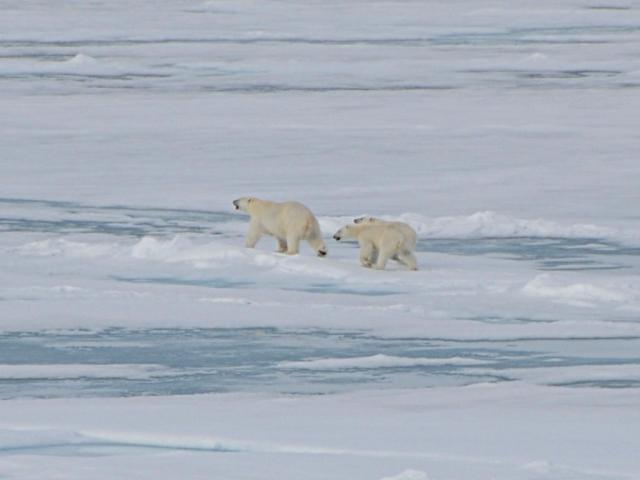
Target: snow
<point>409,475</point>
<point>578,293</point>
<point>375,361</point>
<point>445,433</point>
<point>139,338</point>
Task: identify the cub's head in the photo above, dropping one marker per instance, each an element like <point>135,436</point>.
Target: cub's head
<point>366,220</point>
<point>243,203</point>
<point>348,231</point>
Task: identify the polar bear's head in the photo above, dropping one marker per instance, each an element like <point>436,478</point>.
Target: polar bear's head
<point>348,231</point>
<point>243,203</point>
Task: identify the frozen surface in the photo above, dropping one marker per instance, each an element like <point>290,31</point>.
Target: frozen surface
<point>140,339</point>
<point>511,431</point>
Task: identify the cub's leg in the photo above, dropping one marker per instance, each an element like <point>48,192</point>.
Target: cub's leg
<point>384,254</point>
<point>367,250</point>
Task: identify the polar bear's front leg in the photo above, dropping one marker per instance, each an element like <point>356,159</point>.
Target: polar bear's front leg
<point>366,253</point>
<point>293,244</point>
<point>253,235</point>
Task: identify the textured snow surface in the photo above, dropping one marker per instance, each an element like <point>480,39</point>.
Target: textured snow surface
<point>140,339</point>
<point>514,431</point>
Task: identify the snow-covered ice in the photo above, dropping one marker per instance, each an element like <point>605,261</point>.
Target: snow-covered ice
<point>140,339</point>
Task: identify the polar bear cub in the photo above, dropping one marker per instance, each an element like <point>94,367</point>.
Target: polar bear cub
<point>410,235</point>
<point>386,240</point>
<point>289,222</point>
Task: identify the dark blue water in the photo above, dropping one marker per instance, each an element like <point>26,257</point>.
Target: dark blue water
<point>230,360</point>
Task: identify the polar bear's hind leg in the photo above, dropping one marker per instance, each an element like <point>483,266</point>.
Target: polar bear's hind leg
<point>282,245</point>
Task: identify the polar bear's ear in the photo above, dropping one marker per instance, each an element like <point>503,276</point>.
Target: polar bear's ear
<point>251,199</point>
<point>358,220</point>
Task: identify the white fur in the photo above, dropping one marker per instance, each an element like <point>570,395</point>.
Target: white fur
<point>385,240</point>
<point>410,235</point>
<point>289,222</point>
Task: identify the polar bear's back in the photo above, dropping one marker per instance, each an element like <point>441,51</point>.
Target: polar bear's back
<point>410,235</point>
<point>379,234</point>
<point>295,217</point>
<point>294,209</point>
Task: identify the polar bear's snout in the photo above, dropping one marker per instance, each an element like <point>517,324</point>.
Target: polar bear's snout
<point>340,234</point>
<point>235,204</point>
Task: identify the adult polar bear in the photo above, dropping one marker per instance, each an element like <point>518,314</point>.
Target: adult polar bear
<point>387,240</point>
<point>289,222</point>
